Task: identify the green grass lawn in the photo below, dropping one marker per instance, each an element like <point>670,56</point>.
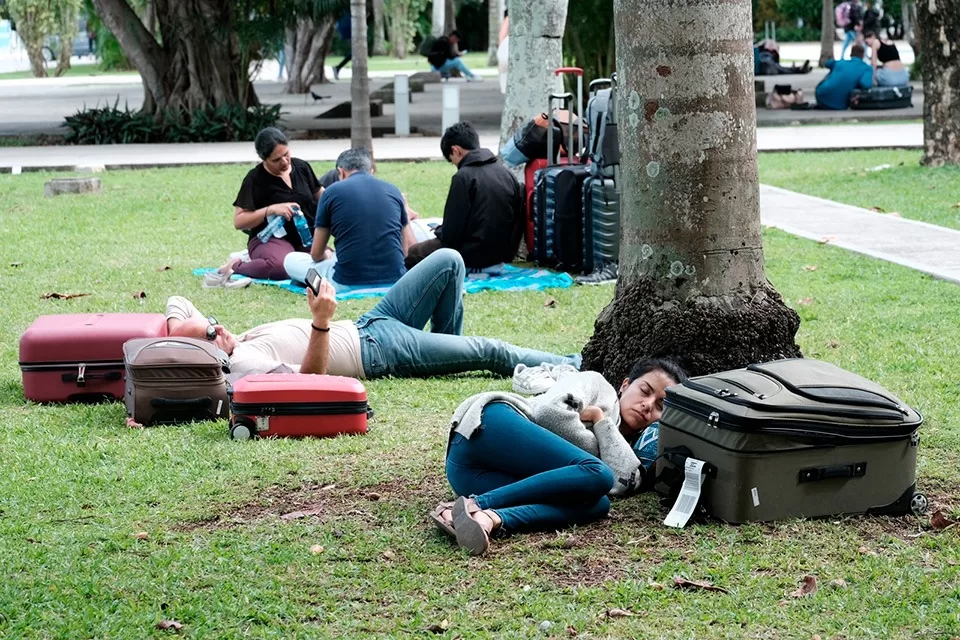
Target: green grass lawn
<point>473,60</point>
<point>91,69</point>
<point>104,531</point>
<point>859,178</point>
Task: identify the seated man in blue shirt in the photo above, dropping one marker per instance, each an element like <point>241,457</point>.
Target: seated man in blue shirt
<point>833,92</point>
<point>368,218</point>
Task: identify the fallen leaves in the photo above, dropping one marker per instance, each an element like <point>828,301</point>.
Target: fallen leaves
<point>618,613</point>
<point>810,267</point>
<point>53,295</point>
<point>695,585</point>
<point>438,628</point>
<point>140,535</point>
<point>140,295</point>
<point>16,264</point>
<point>866,551</point>
<point>808,587</point>
<point>805,302</point>
<point>561,542</point>
<point>305,513</point>
<point>827,239</point>
<point>165,267</point>
<point>939,521</point>
<point>389,555</point>
<point>877,209</point>
<point>833,344</point>
<point>838,583</point>
<point>169,625</point>
<point>373,496</point>
<point>316,549</point>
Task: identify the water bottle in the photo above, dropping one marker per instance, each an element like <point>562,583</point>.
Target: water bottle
<point>274,225</point>
<point>300,222</point>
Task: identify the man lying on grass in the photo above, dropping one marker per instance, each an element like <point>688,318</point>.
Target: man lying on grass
<point>387,340</point>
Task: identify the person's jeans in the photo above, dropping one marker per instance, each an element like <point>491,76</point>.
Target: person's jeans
<point>888,78</point>
<point>392,340</point>
<point>534,479</point>
<point>457,64</point>
<point>849,37</point>
<point>298,263</point>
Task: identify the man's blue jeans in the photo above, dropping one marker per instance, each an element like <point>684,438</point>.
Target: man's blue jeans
<point>392,340</point>
<point>534,479</point>
<point>455,63</point>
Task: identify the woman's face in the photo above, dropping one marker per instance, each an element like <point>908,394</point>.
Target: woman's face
<point>641,402</point>
<point>278,162</point>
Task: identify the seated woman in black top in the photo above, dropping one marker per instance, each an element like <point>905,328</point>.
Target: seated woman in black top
<point>892,73</point>
<point>273,188</point>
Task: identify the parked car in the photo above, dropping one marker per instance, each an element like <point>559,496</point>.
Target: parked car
<point>81,43</point>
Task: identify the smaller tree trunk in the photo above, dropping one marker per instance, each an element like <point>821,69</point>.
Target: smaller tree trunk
<point>399,14</point>
<point>493,31</point>
<point>307,46</point>
<point>908,12</point>
<point>436,18</point>
<point>361,131</point>
<point>66,31</point>
<point>827,32</point>
<point>449,17</point>
<point>938,25</point>
<point>379,41</point>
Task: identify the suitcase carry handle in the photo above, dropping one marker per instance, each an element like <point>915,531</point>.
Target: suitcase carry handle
<point>81,376</point>
<point>564,98</point>
<point>852,470</point>
<point>181,403</point>
<point>577,71</point>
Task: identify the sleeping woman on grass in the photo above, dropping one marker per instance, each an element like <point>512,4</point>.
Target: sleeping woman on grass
<point>546,463</point>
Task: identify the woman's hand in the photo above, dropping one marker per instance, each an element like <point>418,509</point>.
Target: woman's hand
<point>592,414</point>
<point>284,209</point>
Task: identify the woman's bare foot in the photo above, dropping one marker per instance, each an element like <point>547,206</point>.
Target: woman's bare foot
<point>229,268</point>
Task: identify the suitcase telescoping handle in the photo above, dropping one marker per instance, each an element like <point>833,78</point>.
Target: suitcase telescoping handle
<point>564,98</point>
<point>852,470</point>
<point>577,71</point>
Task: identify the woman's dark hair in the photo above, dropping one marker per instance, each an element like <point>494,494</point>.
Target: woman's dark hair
<point>644,366</point>
<point>267,140</point>
<point>869,34</point>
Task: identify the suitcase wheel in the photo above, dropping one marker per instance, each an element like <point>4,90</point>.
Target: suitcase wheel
<point>918,504</point>
<point>242,430</point>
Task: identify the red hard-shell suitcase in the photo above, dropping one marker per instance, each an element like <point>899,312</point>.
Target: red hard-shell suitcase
<point>294,405</point>
<point>79,357</point>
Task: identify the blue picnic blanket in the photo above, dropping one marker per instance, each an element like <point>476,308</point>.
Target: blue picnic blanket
<point>511,279</point>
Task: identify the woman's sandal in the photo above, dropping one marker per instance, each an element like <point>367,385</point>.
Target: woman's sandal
<point>468,531</point>
<point>443,525</point>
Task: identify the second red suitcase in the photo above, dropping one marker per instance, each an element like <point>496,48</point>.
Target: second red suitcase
<point>294,405</point>
<point>79,357</point>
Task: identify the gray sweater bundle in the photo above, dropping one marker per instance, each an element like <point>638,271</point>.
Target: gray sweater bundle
<point>558,410</point>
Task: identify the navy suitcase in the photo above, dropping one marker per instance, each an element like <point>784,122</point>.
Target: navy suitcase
<point>558,223</point>
<point>601,223</point>
<point>882,98</point>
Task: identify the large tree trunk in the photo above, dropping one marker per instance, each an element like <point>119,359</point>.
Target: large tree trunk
<point>436,18</point>
<point>66,31</point>
<point>493,31</point>
<point>449,17</point>
<point>199,63</point>
<point>307,47</point>
<point>827,32</point>
<point>536,34</point>
<point>35,21</point>
<point>379,41</point>
<point>397,20</point>
<point>692,281</point>
<point>938,27</point>
<point>361,131</point>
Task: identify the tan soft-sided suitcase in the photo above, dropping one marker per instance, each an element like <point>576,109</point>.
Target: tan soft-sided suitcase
<point>172,380</point>
<point>793,438</point>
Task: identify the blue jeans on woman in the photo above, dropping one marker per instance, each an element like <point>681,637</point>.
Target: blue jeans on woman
<point>392,340</point>
<point>534,479</point>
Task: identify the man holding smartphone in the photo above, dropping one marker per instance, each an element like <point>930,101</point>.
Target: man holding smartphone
<point>389,340</point>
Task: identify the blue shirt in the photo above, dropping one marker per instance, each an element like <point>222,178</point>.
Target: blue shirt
<point>833,92</point>
<point>366,216</point>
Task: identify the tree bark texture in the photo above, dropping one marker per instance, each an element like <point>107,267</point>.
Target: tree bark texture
<point>536,36</point>
<point>692,282</point>
<point>493,31</point>
<point>307,47</point>
<point>827,32</point>
<point>436,18</point>
<point>35,21</point>
<point>938,26</point>
<point>908,13</point>
<point>66,31</point>
<point>379,40</point>
<point>199,63</point>
<point>361,131</point>
<point>398,19</point>
<point>449,17</point>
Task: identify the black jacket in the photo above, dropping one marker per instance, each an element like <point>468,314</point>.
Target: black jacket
<point>440,52</point>
<point>483,218</point>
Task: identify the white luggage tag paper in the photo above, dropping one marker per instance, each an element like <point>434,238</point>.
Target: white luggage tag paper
<point>689,494</point>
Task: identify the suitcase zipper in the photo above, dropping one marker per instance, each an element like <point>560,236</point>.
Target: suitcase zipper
<point>299,408</point>
<point>28,367</point>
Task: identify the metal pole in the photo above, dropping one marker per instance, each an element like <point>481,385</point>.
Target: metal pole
<point>451,105</point>
<point>401,105</point>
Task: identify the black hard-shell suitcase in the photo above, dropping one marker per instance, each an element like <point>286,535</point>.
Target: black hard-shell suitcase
<point>794,438</point>
<point>882,98</point>
<point>601,223</point>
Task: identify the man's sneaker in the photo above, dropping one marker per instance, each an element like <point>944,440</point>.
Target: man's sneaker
<point>532,380</point>
<point>603,275</point>
<point>560,371</point>
<point>474,78</point>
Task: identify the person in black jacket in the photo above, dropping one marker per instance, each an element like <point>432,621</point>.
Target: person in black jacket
<point>483,217</point>
<point>445,54</point>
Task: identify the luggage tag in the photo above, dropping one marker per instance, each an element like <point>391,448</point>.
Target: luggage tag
<point>686,503</point>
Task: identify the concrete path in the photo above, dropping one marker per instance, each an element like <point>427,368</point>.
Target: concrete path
<point>918,245</point>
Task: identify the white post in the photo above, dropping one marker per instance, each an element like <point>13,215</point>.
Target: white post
<point>451,105</point>
<point>401,105</point>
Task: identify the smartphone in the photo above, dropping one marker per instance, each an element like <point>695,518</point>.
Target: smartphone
<point>314,280</point>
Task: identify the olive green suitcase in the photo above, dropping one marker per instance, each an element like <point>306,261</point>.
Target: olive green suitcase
<point>793,438</point>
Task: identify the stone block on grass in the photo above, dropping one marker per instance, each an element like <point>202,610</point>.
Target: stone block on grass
<point>60,186</point>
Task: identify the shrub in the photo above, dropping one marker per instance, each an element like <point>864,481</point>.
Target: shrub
<point>111,125</point>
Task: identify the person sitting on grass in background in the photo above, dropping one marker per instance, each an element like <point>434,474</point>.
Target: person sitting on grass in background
<point>444,57</point>
<point>483,218</point>
<point>388,340</point>
<point>277,186</point>
<point>888,69</point>
<point>543,465</point>
<point>368,218</point>
<point>833,92</point>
